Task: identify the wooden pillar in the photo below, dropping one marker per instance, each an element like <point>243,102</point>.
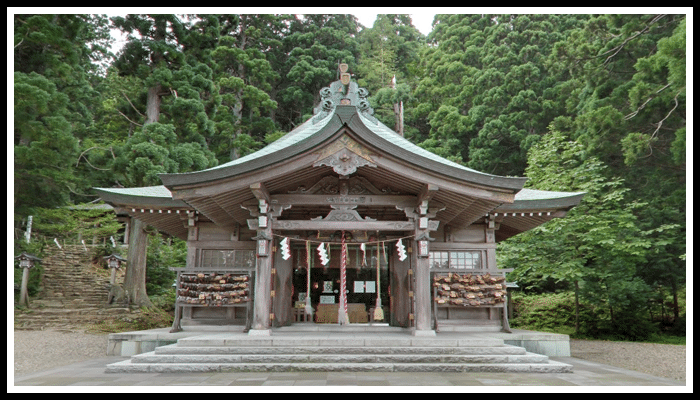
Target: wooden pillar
<point>422,290</point>
<point>400,291</point>
<point>282,304</point>
<point>262,300</point>
<point>490,236</point>
<point>263,275</point>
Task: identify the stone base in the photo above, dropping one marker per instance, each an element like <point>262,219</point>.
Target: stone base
<point>259,332</point>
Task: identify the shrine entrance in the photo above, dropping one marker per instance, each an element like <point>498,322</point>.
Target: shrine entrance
<point>367,283</point>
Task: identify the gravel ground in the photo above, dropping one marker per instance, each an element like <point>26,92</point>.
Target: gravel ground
<point>663,360</point>
<point>41,350</point>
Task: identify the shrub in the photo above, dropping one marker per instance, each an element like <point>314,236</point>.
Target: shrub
<point>552,312</point>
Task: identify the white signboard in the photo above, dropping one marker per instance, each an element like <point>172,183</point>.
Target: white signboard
<point>359,286</point>
<point>327,300</point>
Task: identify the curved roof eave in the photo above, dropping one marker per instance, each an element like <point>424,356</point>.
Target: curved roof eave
<point>300,139</point>
<point>311,134</point>
<point>149,196</point>
<point>532,199</point>
<point>378,134</point>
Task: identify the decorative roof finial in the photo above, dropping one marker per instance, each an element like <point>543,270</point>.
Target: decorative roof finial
<point>344,76</point>
<point>343,92</point>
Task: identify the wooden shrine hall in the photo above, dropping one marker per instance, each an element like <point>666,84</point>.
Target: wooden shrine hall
<point>341,221</point>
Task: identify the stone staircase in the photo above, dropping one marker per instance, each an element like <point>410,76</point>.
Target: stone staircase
<point>375,351</point>
<point>74,293</point>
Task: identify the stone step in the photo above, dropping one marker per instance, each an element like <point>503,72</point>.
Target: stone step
<point>128,367</point>
<point>331,358</point>
<point>389,352</point>
<point>495,350</point>
<point>369,340</point>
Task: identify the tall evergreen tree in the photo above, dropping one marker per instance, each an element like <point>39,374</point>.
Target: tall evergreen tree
<point>628,109</point>
<point>243,76</point>
<point>387,66</point>
<point>485,87</point>
<point>175,123</point>
<point>55,67</point>
<point>314,47</point>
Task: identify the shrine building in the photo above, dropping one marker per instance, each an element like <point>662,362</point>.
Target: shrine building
<point>341,221</point>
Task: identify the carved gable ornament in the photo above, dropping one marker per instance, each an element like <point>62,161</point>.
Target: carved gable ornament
<point>345,156</point>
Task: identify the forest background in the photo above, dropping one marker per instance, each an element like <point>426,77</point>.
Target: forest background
<point>575,102</point>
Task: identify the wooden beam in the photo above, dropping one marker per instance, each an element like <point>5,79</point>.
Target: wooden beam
<point>260,192</point>
<point>337,199</point>
<point>320,225</point>
<point>426,193</point>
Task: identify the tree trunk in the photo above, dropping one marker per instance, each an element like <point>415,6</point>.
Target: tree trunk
<point>135,278</point>
<point>398,111</point>
<point>238,108</point>
<point>576,323</point>
<point>153,104</point>
<point>676,307</point>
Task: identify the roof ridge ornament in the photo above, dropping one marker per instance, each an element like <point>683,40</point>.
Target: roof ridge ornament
<point>343,92</point>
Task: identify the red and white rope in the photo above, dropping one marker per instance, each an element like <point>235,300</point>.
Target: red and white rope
<point>343,309</point>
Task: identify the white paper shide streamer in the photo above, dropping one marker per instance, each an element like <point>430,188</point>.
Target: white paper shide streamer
<point>284,247</point>
<point>323,254</point>
<point>401,250</point>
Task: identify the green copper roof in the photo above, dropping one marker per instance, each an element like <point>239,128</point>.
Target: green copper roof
<point>390,135</point>
<point>295,136</point>
<point>342,105</point>
<point>154,196</point>
<point>537,199</point>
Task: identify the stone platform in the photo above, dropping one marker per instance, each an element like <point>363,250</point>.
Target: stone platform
<point>312,347</point>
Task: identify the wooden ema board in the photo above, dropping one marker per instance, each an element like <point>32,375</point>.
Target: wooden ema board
<point>470,290</point>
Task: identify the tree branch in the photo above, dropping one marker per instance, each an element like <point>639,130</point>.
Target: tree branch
<point>658,126</point>
<point>622,45</point>
<point>127,118</point>
<point>132,105</point>
<point>88,161</point>
<point>633,114</point>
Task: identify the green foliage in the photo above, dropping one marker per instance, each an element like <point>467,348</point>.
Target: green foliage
<point>313,47</point>
<point>162,255</point>
<point>82,220</point>
<point>551,312</point>
<point>585,247</point>
<point>44,147</point>
<point>56,62</point>
<point>491,70</point>
<point>555,312</point>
